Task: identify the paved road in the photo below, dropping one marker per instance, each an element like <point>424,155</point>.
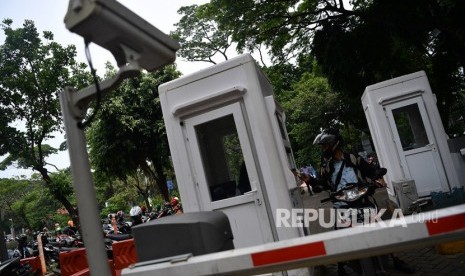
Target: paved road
<point>425,261</point>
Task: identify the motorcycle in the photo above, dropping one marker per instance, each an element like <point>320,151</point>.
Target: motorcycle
<point>24,248</point>
<point>355,206</point>
<point>74,241</point>
<point>166,211</point>
<point>420,205</point>
<point>13,267</point>
<point>52,257</point>
<point>123,228</point>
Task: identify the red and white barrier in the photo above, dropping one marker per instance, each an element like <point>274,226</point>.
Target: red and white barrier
<point>380,238</point>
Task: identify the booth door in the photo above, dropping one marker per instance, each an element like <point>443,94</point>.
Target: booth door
<point>416,145</point>
<point>226,175</point>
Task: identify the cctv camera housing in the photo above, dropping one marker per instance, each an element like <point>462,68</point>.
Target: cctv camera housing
<point>116,28</point>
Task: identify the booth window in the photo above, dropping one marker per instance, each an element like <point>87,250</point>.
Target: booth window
<point>412,132</point>
<point>281,125</point>
<point>222,158</point>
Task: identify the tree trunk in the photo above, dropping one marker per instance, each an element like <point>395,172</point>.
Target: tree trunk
<point>73,213</point>
<point>161,181</point>
<point>159,177</point>
<point>3,251</point>
<point>147,203</point>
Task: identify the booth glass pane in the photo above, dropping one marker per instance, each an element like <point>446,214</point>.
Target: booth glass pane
<point>222,158</point>
<point>281,126</point>
<point>410,127</point>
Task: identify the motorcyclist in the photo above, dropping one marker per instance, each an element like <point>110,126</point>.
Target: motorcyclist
<point>120,216</point>
<point>136,215</point>
<point>338,169</point>
<point>176,205</point>
<point>167,210</point>
<point>22,246</point>
<point>70,229</point>
<point>118,224</point>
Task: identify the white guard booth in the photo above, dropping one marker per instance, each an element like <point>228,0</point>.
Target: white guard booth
<point>408,134</point>
<point>230,149</point>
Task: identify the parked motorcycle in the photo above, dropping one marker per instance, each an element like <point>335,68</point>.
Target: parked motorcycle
<point>167,210</point>
<point>52,257</point>
<point>420,205</point>
<point>123,228</point>
<point>24,249</point>
<point>13,267</point>
<point>68,241</point>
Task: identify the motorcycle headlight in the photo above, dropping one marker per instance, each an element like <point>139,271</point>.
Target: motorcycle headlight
<point>351,194</point>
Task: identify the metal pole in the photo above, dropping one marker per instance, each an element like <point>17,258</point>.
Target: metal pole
<point>12,229</point>
<point>89,216</point>
<point>3,250</point>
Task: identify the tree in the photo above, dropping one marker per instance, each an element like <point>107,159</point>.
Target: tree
<point>392,38</point>
<point>27,203</point>
<point>119,200</point>
<point>312,107</point>
<point>32,73</point>
<point>199,36</point>
<point>358,44</point>
<point>287,27</point>
<point>196,42</point>
<point>3,250</point>
<point>129,135</point>
<point>12,191</point>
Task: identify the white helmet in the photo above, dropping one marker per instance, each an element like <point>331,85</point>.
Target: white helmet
<point>135,211</point>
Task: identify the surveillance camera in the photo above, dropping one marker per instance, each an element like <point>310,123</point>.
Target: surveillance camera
<point>119,30</point>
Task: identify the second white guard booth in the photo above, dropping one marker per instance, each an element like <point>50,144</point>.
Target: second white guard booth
<point>409,137</point>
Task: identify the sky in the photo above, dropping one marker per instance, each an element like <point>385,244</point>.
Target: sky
<point>48,15</point>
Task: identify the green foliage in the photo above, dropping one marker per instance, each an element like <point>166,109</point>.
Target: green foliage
<point>33,70</point>
<point>233,154</point>
<point>199,36</point>
<point>359,44</point>
<point>63,184</point>
<point>393,38</point>
<point>352,138</point>
<point>28,204</point>
<point>121,199</point>
<point>457,117</point>
<point>11,191</point>
<point>128,137</point>
<point>312,107</point>
<point>159,200</point>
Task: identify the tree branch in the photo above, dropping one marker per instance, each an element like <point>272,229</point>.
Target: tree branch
<point>50,164</point>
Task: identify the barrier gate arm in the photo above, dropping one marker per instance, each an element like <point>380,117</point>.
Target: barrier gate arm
<point>325,248</point>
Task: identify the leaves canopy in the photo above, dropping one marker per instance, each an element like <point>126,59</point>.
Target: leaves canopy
<point>33,71</point>
<point>359,44</point>
<point>129,133</point>
<point>199,36</point>
<point>28,204</point>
